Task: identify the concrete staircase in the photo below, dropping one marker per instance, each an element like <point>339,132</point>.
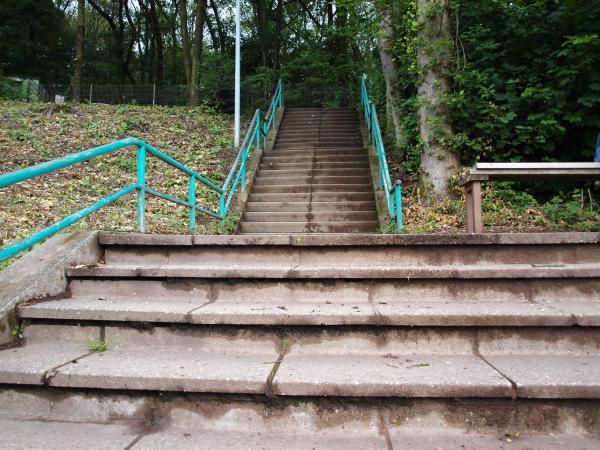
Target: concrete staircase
<point>315,180</point>
<point>314,341</point>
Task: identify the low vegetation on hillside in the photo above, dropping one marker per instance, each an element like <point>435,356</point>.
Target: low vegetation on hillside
<point>36,132</point>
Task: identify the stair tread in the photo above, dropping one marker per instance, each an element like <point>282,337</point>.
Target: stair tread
<point>199,309</point>
<point>211,269</point>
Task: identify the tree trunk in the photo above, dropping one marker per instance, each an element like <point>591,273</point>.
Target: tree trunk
<point>222,37</point>
<point>185,41</point>
<point>197,53</point>
<point>390,73</point>
<point>159,65</point>
<point>434,53</point>
<point>278,31</point>
<point>79,51</point>
<point>261,29</point>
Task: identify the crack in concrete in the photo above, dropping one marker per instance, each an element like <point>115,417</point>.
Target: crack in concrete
<point>513,384</point>
<point>275,368</point>
<point>52,372</point>
<point>383,430</point>
<point>137,439</point>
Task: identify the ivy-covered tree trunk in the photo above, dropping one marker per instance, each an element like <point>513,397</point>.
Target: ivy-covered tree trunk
<point>390,71</point>
<point>434,52</point>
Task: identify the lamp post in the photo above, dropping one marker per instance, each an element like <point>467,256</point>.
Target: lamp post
<point>236,125</point>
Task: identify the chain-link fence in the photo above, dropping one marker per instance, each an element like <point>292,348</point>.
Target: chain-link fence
<point>220,98</point>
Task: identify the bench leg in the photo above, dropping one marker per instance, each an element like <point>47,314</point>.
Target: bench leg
<point>473,199</point>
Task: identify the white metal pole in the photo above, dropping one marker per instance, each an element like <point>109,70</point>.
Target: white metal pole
<point>236,125</point>
<point>91,93</point>
<point>154,94</point>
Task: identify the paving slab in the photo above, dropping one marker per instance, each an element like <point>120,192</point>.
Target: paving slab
<point>551,376</point>
<point>389,376</point>
<point>38,434</point>
<point>440,440</point>
<point>27,365</point>
<point>285,313</point>
<point>273,439</point>
<point>176,369</point>
<point>471,314</point>
<point>149,309</point>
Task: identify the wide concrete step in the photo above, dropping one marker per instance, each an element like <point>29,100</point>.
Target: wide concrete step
<point>310,206</point>
<point>306,134</point>
<point>333,165</point>
<point>398,362</point>
<point>319,145</point>
<point>166,268</point>
<point>31,419</point>
<point>348,128</point>
<point>533,254</point>
<point>300,307</point>
<point>308,227</point>
<point>313,216</point>
<point>410,302</point>
<point>278,173</point>
<point>316,123</point>
<point>314,180</point>
<point>314,196</point>
<point>307,188</point>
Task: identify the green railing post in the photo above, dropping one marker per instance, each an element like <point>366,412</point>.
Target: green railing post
<point>243,168</point>
<point>222,204</point>
<point>398,198</point>
<point>192,202</point>
<point>258,128</point>
<point>141,186</point>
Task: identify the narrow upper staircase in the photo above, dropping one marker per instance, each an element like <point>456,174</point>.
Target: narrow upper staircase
<point>316,179</point>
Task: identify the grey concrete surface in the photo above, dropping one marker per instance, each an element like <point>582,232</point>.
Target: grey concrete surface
<point>41,272</point>
<point>551,376</point>
<point>394,375</point>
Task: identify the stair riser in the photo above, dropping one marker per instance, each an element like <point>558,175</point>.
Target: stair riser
<point>315,197</point>
<point>313,216</point>
<point>319,146</point>
<point>313,227</point>
<point>312,188</point>
<point>318,152</point>
<point>305,206</point>
<point>318,139</point>
<point>273,173</point>
<point>304,134</point>
<point>314,180</point>
<point>314,159</point>
<point>418,256</point>
<point>340,291</point>
<point>318,166</point>
<point>197,420</point>
<point>445,341</point>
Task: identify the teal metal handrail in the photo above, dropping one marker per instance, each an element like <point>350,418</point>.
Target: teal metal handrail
<point>393,191</point>
<point>226,193</point>
<point>276,102</point>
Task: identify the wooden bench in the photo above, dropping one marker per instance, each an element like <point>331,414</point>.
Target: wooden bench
<point>518,172</point>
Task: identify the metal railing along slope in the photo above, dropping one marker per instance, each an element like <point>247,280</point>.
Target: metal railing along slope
<point>226,193</point>
<point>393,191</point>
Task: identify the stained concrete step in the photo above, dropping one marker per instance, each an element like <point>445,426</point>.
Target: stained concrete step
<point>315,362</point>
<point>349,271</point>
<point>342,140</point>
<point>315,309</point>
<point>147,420</point>
<point>307,188</point>
<point>317,216</point>
<point>541,252</point>
<point>319,145</point>
<point>314,180</point>
<point>576,296</point>
<point>306,134</point>
<point>308,227</point>
<point>310,206</point>
<point>314,196</point>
